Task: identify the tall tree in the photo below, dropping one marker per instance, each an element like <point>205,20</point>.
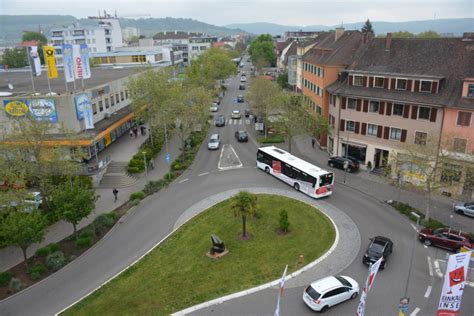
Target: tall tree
<point>261,51</point>
<point>22,229</point>
<point>244,205</point>
<point>428,34</point>
<point>292,113</point>
<point>74,202</point>
<point>282,80</point>
<point>367,27</point>
<point>15,58</point>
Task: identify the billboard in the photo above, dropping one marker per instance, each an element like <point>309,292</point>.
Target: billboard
<point>34,60</point>
<point>50,59</point>
<point>39,109</point>
<point>68,63</point>
<point>84,110</point>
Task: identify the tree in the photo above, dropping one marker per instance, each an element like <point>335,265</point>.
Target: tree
<point>262,97</point>
<point>133,39</point>
<point>15,58</point>
<point>282,80</point>
<point>262,52</point>
<point>428,34</point>
<point>318,125</point>
<point>403,34</point>
<point>74,202</point>
<point>23,229</point>
<point>367,27</point>
<point>244,204</point>
<point>34,36</point>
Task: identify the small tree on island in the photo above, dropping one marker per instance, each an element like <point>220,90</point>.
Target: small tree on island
<point>244,204</point>
<point>283,222</point>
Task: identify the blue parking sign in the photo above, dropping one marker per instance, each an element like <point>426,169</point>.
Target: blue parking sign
<point>168,158</point>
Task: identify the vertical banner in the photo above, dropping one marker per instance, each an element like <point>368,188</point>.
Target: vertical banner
<point>84,49</point>
<point>50,59</point>
<point>78,66</point>
<point>84,110</point>
<point>373,268</point>
<point>68,63</point>
<point>453,286</point>
<point>281,291</point>
<point>34,60</point>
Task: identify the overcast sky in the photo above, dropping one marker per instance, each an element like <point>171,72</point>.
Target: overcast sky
<point>222,12</point>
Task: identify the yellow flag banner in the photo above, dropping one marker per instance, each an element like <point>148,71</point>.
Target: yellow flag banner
<point>50,59</point>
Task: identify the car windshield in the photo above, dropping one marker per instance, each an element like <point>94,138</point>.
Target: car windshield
<point>343,281</point>
<point>376,248</point>
<point>312,292</point>
<point>213,141</point>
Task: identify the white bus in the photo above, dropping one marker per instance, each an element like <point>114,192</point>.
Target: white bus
<point>300,174</point>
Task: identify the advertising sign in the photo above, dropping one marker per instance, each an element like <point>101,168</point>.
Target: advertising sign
<point>280,293</point>
<point>84,110</point>
<point>77,60</point>
<point>34,59</point>
<point>50,59</point>
<point>276,165</point>
<point>39,109</point>
<point>85,61</point>
<point>454,282</point>
<point>373,269</point>
<point>16,108</point>
<point>68,63</point>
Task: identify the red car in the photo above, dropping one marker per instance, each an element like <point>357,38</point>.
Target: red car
<point>444,238</point>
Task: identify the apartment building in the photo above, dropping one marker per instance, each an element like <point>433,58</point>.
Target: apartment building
<point>405,91</point>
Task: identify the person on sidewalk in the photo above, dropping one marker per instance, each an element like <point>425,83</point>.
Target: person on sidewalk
<point>135,131</point>
<point>115,192</point>
<point>131,133</point>
<point>152,164</point>
<point>312,142</point>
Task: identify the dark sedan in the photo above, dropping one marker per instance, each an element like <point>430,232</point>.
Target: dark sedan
<point>241,136</point>
<point>220,120</point>
<point>379,247</point>
<point>338,162</point>
<point>240,98</point>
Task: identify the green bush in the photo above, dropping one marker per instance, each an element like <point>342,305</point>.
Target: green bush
<point>53,247</point>
<point>154,186</point>
<point>177,165</point>
<point>105,220</point>
<point>135,202</point>
<point>5,278</point>
<point>43,252</point>
<point>55,260</point>
<point>283,222</point>
<point>84,242</point>
<point>37,271</point>
<point>137,195</point>
<point>16,284</point>
<point>432,223</point>
<point>133,170</point>
<point>271,140</point>
<point>169,177</point>
<point>87,233</point>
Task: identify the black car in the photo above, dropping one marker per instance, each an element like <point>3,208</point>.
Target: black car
<point>240,98</point>
<point>220,120</point>
<point>247,113</point>
<point>338,162</point>
<point>379,247</point>
<point>241,136</point>
<point>242,87</point>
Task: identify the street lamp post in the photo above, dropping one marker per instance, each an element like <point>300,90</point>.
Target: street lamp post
<point>412,251</point>
<point>146,169</point>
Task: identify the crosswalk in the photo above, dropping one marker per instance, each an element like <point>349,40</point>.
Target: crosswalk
<point>238,122</point>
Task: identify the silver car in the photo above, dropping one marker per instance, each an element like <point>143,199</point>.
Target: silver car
<point>466,208</point>
<point>214,142</point>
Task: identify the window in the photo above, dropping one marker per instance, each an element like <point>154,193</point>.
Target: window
<point>372,129</point>
<point>424,113</point>
<point>318,109</point>
<point>350,126</point>
<point>112,100</point>
<point>395,133</point>
<point>117,98</point>
<point>107,103</point>
<point>121,96</point>
<point>93,40</point>
<point>333,100</point>
<point>374,106</point>
<point>420,138</point>
<point>351,104</point>
<point>101,106</point>
<point>460,145</point>
<point>398,109</point>
<point>464,118</point>
<point>401,84</point>
<point>470,90</point>
<point>94,108</point>
<point>358,81</point>
<point>378,82</point>
<point>425,86</point>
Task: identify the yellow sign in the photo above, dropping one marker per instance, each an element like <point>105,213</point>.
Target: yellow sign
<point>16,108</point>
<point>50,59</point>
<point>108,140</point>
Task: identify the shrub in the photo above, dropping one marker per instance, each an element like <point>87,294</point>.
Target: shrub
<point>135,202</point>
<point>16,284</point>
<point>283,222</point>
<point>55,260</point>
<point>105,220</point>
<point>53,247</point>
<point>137,195</point>
<point>84,242</point>
<point>169,177</point>
<point>5,278</point>
<point>88,233</point>
<point>154,186</point>
<point>177,165</point>
<point>133,170</point>
<point>432,223</point>
<point>43,252</point>
<point>37,271</point>
<point>271,140</point>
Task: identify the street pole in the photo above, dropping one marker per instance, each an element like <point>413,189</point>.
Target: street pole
<point>146,169</point>
<point>96,152</point>
<point>412,251</point>
<point>166,136</point>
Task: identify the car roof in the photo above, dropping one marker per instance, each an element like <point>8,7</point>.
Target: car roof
<point>242,132</point>
<point>235,111</point>
<point>214,136</point>
<point>381,239</point>
<point>325,284</point>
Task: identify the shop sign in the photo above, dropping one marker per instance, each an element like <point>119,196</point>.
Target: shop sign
<point>15,108</point>
<point>39,109</point>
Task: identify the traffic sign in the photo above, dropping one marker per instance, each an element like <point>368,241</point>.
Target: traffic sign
<point>168,158</point>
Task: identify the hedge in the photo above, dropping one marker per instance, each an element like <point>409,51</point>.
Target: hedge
<point>271,140</point>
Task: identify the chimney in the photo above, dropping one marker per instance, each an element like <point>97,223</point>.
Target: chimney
<point>338,33</point>
<point>388,41</point>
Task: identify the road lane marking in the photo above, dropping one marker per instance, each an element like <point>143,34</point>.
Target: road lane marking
<point>414,227</point>
<point>430,267</point>
<point>415,311</point>
<point>428,291</point>
<point>437,269</point>
<point>238,164</point>
<point>203,174</point>
<point>184,180</point>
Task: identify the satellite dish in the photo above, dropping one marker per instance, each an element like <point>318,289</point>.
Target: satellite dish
<point>10,86</point>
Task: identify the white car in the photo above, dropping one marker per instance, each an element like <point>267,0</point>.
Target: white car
<point>243,79</point>
<point>214,142</point>
<point>330,291</point>
<point>214,108</point>
<point>236,114</point>
<point>466,208</point>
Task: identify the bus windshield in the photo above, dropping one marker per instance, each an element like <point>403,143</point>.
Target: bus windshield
<point>326,179</point>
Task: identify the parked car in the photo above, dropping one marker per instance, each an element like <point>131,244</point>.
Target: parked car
<point>240,98</point>
<point>214,108</point>
<point>241,65</point>
<point>216,102</point>
<point>466,208</point>
<point>236,114</point>
<point>330,291</point>
<point>220,120</point>
<point>444,238</point>
<point>379,247</point>
<point>242,87</point>
<point>243,79</point>
<point>241,136</point>
<point>247,113</point>
<point>338,162</point>
<point>214,142</point>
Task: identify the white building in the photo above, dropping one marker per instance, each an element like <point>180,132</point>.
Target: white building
<point>129,32</point>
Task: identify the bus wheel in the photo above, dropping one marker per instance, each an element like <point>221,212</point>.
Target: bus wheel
<point>267,170</point>
<point>296,186</point>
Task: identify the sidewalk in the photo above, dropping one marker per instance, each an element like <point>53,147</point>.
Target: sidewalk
<point>122,150</point>
<point>379,188</point>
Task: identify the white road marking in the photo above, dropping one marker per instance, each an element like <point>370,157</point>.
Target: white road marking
<point>425,246</point>
<point>184,180</point>
<point>414,227</point>
<point>428,291</point>
<point>437,269</point>
<point>240,165</point>
<point>203,174</point>
<point>415,311</point>
<point>430,267</point>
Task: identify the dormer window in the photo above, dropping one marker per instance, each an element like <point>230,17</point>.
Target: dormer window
<point>401,84</point>
<point>378,82</point>
<point>358,81</point>
<point>425,86</point>
<point>470,90</point>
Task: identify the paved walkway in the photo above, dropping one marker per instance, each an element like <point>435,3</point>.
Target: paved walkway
<point>122,150</point>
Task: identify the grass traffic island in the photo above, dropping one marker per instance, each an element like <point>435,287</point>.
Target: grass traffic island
<point>178,274</point>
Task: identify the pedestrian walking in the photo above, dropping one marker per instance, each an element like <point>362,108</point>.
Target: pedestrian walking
<point>143,130</point>
<point>135,131</point>
<point>131,133</point>
<point>152,164</point>
<point>115,192</point>
<point>312,142</point>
